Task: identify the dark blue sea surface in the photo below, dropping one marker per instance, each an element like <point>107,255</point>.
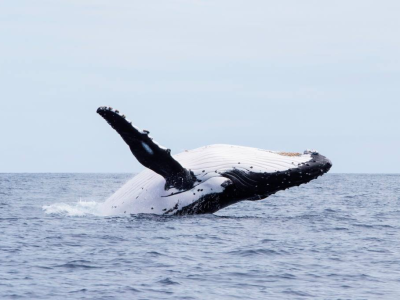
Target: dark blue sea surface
<point>337,237</point>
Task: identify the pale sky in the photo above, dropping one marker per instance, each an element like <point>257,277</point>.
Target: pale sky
<point>279,75</point>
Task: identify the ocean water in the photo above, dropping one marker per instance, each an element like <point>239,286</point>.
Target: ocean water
<point>337,237</point>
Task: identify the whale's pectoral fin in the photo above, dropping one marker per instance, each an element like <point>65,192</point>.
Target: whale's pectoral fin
<point>148,152</point>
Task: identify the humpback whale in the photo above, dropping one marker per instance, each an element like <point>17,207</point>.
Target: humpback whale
<point>206,179</point>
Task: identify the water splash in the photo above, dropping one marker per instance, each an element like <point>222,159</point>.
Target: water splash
<point>78,209</point>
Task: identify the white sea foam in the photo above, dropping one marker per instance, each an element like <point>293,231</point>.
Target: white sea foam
<point>78,209</point>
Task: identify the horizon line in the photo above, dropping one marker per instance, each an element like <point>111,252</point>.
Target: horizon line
<point>354,173</point>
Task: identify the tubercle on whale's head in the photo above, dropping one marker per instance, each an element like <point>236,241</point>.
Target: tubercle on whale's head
<point>310,151</point>
<point>324,163</point>
<point>316,166</point>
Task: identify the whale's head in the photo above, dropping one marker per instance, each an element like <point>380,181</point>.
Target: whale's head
<point>257,184</point>
<point>231,174</point>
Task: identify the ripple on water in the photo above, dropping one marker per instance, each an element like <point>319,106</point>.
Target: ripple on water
<point>335,238</point>
<point>78,264</point>
<point>168,281</point>
<point>257,252</point>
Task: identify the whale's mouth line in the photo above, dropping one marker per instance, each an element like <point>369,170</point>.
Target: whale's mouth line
<point>191,189</point>
<point>177,193</point>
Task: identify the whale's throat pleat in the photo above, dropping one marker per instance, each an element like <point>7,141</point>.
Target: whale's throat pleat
<point>148,152</point>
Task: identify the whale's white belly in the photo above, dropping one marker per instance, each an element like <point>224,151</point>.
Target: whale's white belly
<point>145,192</point>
